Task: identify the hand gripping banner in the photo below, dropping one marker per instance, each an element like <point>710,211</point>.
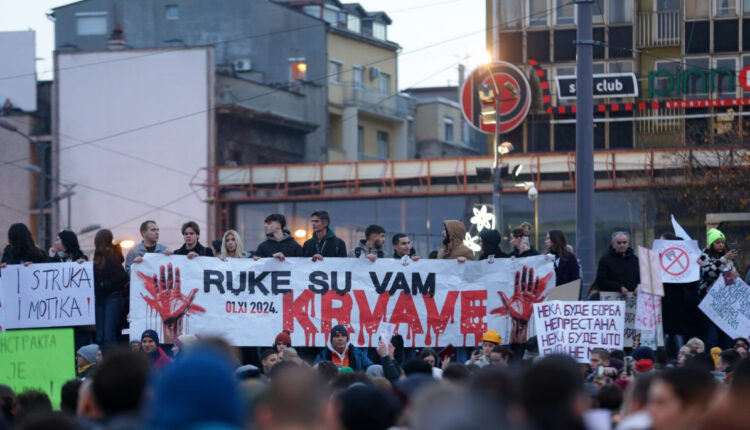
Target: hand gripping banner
<point>431,302</point>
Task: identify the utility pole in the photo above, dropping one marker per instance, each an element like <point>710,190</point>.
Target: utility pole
<point>585,222</point>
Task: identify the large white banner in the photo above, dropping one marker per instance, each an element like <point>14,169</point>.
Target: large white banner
<point>577,328</point>
<point>431,302</point>
<point>728,306</point>
<point>47,295</point>
<point>678,260</point>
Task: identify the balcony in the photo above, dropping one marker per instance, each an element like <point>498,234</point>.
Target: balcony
<point>659,29</point>
<point>371,99</point>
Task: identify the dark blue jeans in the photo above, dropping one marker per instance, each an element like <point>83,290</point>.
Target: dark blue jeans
<point>108,312</point>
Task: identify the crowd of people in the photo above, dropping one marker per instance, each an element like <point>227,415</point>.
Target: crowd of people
<point>206,383</point>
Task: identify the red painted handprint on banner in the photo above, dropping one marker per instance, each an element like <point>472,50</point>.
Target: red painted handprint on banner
<point>526,291</point>
<point>167,300</point>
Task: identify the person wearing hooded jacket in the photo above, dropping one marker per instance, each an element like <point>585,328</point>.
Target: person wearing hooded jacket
<point>453,242</point>
<point>371,247</point>
<point>150,346</point>
<point>714,262</point>
<point>279,242</point>
<point>619,270</point>
<point>490,242</point>
<point>66,249</point>
<point>342,353</point>
<point>324,242</point>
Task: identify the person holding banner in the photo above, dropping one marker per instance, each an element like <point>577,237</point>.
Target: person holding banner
<point>192,247</point>
<point>110,287</point>
<point>231,246</point>
<point>324,242</point>
<point>715,261</point>
<point>150,234</point>
<point>66,249</point>
<point>279,243</point>
<point>402,247</point>
<point>489,240</point>
<point>21,248</point>
<point>453,247</point>
<point>522,247</point>
<point>371,247</point>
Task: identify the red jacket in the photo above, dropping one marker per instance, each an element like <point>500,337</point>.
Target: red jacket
<point>160,359</point>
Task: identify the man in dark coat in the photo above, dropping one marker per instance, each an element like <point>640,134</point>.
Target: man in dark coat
<point>324,242</point>
<point>618,269</point>
<point>279,243</point>
<point>192,247</point>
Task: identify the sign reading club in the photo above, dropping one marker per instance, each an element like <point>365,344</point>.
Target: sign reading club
<point>605,85</point>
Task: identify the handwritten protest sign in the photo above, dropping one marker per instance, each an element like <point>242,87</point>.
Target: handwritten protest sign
<point>430,302</point>
<point>728,306</point>
<point>576,328</point>
<point>648,311</point>
<point>631,302</point>
<point>47,295</point>
<point>678,260</point>
<point>41,359</point>
<point>650,271</point>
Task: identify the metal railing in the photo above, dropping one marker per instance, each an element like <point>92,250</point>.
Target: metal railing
<point>659,28</point>
<point>372,99</point>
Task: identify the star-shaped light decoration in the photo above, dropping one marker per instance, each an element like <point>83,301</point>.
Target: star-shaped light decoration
<point>483,219</point>
<point>472,242</point>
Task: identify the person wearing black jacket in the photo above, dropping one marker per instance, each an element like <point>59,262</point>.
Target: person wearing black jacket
<point>402,247</point>
<point>521,245</point>
<point>192,247</point>
<point>618,269</point>
<point>566,263</point>
<point>490,242</point>
<point>324,242</point>
<point>279,242</point>
<point>110,287</point>
<point>21,248</point>
<point>66,248</point>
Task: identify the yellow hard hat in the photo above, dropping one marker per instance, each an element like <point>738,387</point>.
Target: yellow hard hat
<point>492,336</point>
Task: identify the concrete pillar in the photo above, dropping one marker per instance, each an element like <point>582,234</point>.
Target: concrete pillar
<point>400,142</point>
<point>349,133</point>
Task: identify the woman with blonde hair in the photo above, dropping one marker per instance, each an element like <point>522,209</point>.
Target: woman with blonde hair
<point>231,246</point>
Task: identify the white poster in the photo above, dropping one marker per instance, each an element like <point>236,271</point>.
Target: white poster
<point>648,311</point>
<point>47,295</point>
<point>577,328</point>
<point>678,260</point>
<point>728,306</point>
<point>430,302</point>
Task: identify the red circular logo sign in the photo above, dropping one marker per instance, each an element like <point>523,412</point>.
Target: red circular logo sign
<point>675,261</point>
<point>490,83</point>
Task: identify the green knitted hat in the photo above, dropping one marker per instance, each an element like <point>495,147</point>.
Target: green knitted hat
<point>713,235</point>
<point>346,370</point>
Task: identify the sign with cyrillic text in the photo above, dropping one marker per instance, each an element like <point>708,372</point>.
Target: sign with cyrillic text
<point>47,295</point>
<point>430,302</point>
<point>576,328</point>
<point>41,359</point>
<point>728,306</point>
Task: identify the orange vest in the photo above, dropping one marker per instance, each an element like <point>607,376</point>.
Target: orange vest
<point>336,360</point>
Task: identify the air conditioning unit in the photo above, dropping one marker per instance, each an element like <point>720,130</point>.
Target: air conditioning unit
<point>374,72</point>
<point>243,65</point>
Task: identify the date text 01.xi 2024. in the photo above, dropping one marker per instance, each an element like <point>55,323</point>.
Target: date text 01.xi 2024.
<point>250,308</point>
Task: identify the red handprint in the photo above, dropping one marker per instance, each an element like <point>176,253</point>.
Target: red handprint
<point>167,299</point>
<point>527,291</point>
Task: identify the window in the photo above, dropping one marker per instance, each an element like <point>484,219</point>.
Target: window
<point>357,71</point>
<point>511,13</point>
<point>91,23</point>
<point>724,76</point>
<point>379,31</point>
<point>172,12</point>
<point>620,11</point>
<point>353,23</point>
<point>360,140</point>
<point>382,144</point>
<point>696,9</point>
<point>385,83</point>
<point>297,69</point>
<point>694,76</point>
<point>621,67</point>
<point>448,129</point>
<point>564,49</point>
<point>538,13</point>
<point>597,10</point>
<point>331,15</point>
<point>312,10</point>
<point>746,7</point>
<point>566,12</point>
<point>334,71</point>
<point>726,35</point>
<point>597,68</point>
<point>725,7</point>
<point>664,85</point>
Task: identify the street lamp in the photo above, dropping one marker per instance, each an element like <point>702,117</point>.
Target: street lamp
<point>533,194</point>
<point>41,150</point>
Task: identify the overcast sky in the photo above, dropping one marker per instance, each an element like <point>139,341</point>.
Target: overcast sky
<point>416,24</point>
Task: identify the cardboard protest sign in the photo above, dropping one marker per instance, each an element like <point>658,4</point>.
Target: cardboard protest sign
<point>678,260</point>
<point>648,311</point>
<point>569,292</point>
<point>728,306</point>
<point>430,302</point>
<point>650,271</point>
<point>631,302</point>
<point>47,295</point>
<point>576,328</point>
<point>41,359</point>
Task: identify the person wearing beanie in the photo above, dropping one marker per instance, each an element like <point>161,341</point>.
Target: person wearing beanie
<point>481,356</point>
<point>283,341</point>
<point>150,346</point>
<point>522,246</point>
<point>66,249</point>
<point>643,366</point>
<point>715,261</point>
<point>342,353</point>
<point>86,360</point>
<point>199,391</point>
<point>489,240</point>
<point>279,242</point>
